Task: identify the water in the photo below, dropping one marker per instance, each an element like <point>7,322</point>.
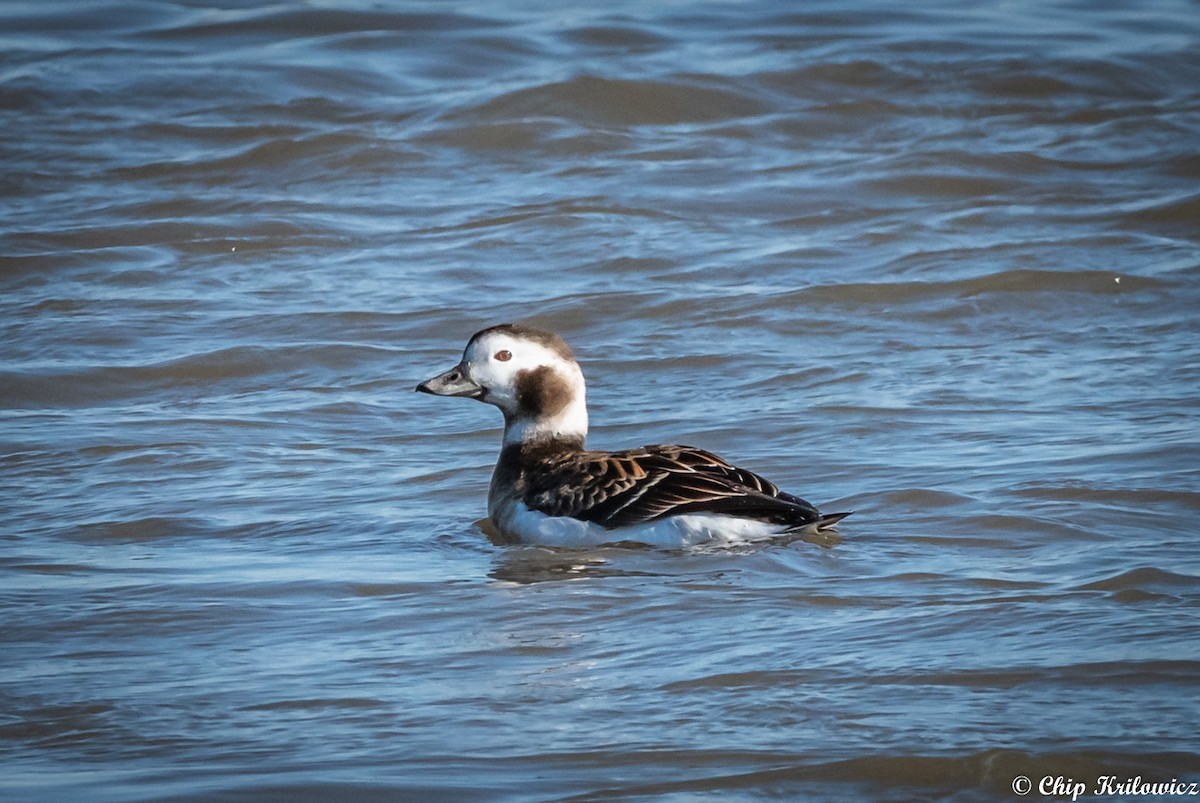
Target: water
<point>936,264</point>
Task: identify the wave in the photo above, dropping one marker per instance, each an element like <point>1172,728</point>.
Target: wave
<point>134,531</point>
<point>992,770</point>
<point>317,704</point>
<point>1132,498</point>
<point>615,775</point>
<point>1145,578</point>
<point>1178,214</point>
<point>248,156</point>
<point>194,374</point>
<point>1014,282</point>
<point>1092,674</point>
<point>603,101</point>
<point>316,22</point>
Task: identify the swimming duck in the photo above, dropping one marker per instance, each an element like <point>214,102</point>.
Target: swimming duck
<point>547,488</point>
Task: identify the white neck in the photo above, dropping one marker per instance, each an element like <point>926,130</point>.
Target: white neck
<point>569,423</point>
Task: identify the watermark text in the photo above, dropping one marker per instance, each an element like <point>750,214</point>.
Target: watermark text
<point>1105,785</point>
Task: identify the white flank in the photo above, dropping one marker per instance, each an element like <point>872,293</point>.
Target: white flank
<point>532,527</point>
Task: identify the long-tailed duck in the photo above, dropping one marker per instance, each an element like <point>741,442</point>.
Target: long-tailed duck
<point>548,489</point>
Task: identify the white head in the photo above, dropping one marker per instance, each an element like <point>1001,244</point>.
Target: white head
<point>529,374</point>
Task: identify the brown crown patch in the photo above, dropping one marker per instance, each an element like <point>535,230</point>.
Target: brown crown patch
<point>548,339</point>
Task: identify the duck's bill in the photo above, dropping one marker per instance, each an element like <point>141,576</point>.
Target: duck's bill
<point>452,383</point>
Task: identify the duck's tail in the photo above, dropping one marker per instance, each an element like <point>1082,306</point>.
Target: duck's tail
<point>824,523</point>
<point>829,521</point>
<point>821,531</point>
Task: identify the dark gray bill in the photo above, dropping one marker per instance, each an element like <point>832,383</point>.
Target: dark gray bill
<point>452,383</point>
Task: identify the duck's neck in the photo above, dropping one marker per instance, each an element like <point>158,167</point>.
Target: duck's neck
<point>568,427</point>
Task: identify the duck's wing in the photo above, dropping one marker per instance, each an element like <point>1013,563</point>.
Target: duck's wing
<point>619,489</point>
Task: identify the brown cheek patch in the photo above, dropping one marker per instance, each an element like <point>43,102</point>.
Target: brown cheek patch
<point>542,391</point>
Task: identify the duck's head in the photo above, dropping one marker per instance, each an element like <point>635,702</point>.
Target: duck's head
<point>529,374</point>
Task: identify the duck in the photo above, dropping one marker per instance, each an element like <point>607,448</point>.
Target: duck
<point>549,489</point>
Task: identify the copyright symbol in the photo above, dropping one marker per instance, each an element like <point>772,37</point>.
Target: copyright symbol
<point>1022,785</point>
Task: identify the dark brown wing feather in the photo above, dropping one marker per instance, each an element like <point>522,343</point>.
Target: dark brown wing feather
<point>617,489</point>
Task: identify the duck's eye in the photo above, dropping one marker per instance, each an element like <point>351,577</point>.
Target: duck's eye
<point>503,355</point>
